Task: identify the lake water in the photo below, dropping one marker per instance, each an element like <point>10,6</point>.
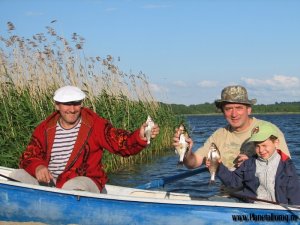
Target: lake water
<point>202,127</point>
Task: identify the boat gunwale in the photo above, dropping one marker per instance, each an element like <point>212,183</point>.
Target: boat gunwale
<point>133,198</point>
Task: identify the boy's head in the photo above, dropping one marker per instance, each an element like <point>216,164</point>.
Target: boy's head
<point>265,137</point>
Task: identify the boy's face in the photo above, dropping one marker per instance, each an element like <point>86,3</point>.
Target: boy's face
<point>266,148</point>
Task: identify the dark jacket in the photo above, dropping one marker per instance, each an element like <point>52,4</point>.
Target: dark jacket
<point>287,186</point>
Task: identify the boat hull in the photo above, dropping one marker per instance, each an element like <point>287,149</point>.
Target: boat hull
<point>30,203</point>
<point>23,204</point>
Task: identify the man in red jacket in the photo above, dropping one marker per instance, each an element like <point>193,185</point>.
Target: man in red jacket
<point>66,149</point>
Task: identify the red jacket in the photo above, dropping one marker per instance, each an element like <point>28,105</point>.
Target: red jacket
<point>95,135</point>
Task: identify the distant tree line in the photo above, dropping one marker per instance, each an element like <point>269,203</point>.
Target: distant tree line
<point>210,108</point>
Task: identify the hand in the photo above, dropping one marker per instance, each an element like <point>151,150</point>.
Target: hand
<point>207,163</point>
<point>240,159</point>
<point>42,174</point>
<point>176,140</point>
<point>154,131</point>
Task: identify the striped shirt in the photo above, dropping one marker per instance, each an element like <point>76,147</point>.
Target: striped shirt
<point>62,148</point>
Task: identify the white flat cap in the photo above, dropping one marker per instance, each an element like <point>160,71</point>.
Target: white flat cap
<point>68,94</point>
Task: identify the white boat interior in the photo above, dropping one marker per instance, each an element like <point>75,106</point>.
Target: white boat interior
<point>133,194</point>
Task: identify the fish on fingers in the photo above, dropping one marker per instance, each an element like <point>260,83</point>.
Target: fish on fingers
<point>148,129</point>
<point>182,148</point>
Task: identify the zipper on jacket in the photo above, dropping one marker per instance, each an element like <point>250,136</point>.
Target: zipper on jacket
<point>77,156</point>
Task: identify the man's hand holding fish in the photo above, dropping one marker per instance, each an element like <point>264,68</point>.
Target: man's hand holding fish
<point>149,130</point>
<point>213,161</point>
<point>182,143</point>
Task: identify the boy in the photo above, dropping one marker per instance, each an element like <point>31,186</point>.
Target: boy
<point>269,175</point>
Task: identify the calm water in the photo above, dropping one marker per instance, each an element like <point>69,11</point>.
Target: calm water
<point>202,127</point>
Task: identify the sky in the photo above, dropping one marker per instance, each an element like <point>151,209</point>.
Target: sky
<point>189,50</point>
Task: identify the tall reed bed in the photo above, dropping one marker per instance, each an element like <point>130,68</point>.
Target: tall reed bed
<point>31,69</point>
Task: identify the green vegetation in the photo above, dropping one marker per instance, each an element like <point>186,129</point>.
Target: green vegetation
<point>32,69</point>
<point>209,108</point>
<point>283,107</point>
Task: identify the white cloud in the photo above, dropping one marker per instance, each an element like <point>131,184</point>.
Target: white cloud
<point>278,88</point>
<point>180,83</point>
<point>159,92</point>
<point>288,82</point>
<point>158,88</point>
<point>207,84</point>
<point>277,81</point>
<point>267,90</point>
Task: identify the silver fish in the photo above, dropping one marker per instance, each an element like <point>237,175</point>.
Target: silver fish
<point>182,148</point>
<point>148,129</point>
<point>213,156</point>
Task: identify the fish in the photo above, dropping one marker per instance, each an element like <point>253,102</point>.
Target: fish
<point>182,148</point>
<point>213,156</point>
<point>148,128</point>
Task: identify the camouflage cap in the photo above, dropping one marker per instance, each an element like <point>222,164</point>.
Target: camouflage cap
<point>234,94</point>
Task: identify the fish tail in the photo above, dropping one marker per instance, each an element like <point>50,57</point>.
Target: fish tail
<point>213,174</point>
<point>212,178</point>
<point>212,182</point>
<point>180,164</point>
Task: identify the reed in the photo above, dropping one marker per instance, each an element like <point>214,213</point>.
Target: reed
<point>31,69</point>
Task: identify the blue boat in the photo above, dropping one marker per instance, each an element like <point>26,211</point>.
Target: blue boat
<point>32,204</point>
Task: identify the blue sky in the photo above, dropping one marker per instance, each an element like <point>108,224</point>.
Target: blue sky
<point>189,50</point>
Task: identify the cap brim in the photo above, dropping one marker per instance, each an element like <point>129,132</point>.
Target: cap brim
<point>220,102</point>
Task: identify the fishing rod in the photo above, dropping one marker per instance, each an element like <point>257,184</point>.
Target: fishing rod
<point>9,178</point>
<point>50,184</point>
<point>244,197</point>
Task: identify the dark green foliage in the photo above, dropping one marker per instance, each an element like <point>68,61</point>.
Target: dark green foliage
<point>19,116</point>
<point>283,107</point>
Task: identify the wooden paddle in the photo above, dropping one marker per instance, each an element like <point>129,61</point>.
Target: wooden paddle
<point>166,180</point>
